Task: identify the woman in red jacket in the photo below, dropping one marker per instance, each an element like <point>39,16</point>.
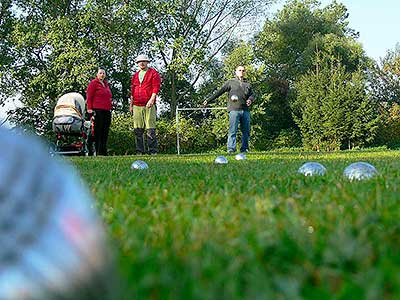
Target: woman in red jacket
<point>98,97</point>
<point>145,87</point>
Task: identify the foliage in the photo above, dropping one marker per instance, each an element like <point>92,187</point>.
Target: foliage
<point>385,78</point>
<point>57,48</point>
<point>186,228</point>
<point>120,30</point>
<point>6,22</point>
<point>332,109</point>
<point>389,127</point>
<point>196,135</point>
<point>288,41</point>
<point>189,34</point>
<point>121,140</point>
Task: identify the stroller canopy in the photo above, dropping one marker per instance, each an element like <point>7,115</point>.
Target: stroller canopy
<point>71,104</point>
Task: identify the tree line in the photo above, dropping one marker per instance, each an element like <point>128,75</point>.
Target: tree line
<point>315,85</point>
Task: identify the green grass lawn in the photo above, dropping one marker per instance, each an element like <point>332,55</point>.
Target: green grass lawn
<point>187,228</point>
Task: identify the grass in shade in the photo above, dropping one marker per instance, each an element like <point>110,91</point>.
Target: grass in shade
<point>186,228</point>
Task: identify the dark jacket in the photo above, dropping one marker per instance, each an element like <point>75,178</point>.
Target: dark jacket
<point>235,87</point>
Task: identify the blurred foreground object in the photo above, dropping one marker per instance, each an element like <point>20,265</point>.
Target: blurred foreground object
<point>52,244</point>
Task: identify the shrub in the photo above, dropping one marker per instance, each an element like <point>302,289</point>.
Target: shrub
<point>121,140</point>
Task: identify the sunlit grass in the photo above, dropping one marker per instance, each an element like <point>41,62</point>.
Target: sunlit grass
<point>187,228</point>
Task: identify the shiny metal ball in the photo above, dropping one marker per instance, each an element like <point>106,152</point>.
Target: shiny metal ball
<point>221,160</point>
<point>312,169</point>
<point>53,245</point>
<point>139,165</point>
<point>360,171</point>
<point>234,98</point>
<point>240,156</point>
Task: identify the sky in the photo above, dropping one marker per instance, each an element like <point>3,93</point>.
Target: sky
<point>377,21</point>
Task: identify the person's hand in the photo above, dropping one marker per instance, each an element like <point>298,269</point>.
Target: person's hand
<point>248,102</point>
<point>205,103</point>
<point>131,108</point>
<point>150,103</point>
<point>90,111</point>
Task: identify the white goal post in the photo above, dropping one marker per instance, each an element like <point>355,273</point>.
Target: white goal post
<point>189,109</point>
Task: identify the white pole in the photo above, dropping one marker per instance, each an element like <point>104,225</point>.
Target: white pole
<point>177,129</point>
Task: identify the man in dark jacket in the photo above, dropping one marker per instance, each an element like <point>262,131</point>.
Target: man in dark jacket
<point>240,97</point>
<point>145,87</point>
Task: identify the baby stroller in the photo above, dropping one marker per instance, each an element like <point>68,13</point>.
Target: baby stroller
<point>74,135</point>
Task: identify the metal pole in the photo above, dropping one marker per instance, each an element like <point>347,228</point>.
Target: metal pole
<point>201,108</point>
<point>177,129</point>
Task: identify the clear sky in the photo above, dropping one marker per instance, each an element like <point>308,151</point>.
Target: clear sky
<point>377,21</point>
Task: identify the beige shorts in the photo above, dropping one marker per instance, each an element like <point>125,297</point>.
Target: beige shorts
<point>144,117</point>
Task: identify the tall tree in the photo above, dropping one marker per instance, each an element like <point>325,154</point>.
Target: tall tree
<point>51,57</point>
<point>289,41</point>
<point>120,30</point>
<point>385,78</point>
<point>58,46</point>
<point>190,33</point>
<point>6,58</point>
<point>332,108</point>
<point>6,21</point>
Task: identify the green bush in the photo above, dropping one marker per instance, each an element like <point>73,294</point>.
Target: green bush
<point>121,139</point>
<point>389,129</point>
<point>195,136</point>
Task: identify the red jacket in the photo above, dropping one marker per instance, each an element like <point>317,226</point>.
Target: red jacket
<point>141,92</point>
<point>98,96</point>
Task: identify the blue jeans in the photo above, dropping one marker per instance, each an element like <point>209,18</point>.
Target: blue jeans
<point>236,117</point>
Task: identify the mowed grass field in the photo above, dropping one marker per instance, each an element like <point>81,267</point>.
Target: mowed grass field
<point>187,228</point>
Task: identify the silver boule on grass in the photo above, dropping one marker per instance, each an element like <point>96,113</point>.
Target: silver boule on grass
<point>312,169</point>
<point>240,156</point>
<point>221,160</point>
<point>53,245</point>
<point>139,165</point>
<point>234,98</point>
<point>360,171</point>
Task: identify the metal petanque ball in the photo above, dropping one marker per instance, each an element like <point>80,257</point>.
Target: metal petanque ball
<point>312,169</point>
<point>360,171</point>
<point>139,165</point>
<point>53,245</point>
<point>221,160</point>
<point>240,156</point>
<point>234,98</point>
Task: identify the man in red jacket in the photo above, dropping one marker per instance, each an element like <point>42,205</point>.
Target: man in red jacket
<point>145,87</point>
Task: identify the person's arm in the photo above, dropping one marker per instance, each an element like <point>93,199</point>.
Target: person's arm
<point>90,96</point>
<point>225,88</point>
<point>251,98</point>
<point>156,85</point>
<point>132,93</point>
